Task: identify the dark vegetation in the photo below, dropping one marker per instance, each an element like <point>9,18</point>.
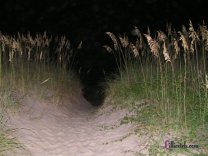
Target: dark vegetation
<point>87,21</point>
<point>163,80</point>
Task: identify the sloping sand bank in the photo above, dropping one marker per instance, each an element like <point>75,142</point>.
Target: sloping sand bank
<point>71,128</point>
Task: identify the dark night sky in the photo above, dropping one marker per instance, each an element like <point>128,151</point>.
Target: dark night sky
<point>94,17</point>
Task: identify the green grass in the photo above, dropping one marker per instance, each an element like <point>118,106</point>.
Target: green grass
<point>165,87</point>
<point>7,142</point>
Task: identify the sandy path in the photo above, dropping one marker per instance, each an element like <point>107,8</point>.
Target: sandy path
<point>73,129</point>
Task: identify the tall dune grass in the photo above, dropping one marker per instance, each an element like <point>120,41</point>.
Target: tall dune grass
<point>32,65</point>
<point>163,77</point>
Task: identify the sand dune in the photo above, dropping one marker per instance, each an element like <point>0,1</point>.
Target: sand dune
<point>73,128</point>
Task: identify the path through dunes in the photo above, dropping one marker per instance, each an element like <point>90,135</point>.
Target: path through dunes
<point>72,128</point>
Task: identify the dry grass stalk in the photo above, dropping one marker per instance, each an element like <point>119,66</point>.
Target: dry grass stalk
<point>108,48</point>
<point>161,36</point>
<point>154,46</point>
<point>184,42</point>
<point>113,38</point>
<point>193,35</point>
<point>204,35</point>
<point>124,41</point>
<point>204,32</point>
<point>134,50</point>
<point>139,43</point>
<point>166,53</point>
<point>138,33</point>
<point>176,48</point>
<point>37,48</point>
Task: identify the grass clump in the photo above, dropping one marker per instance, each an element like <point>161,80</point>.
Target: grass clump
<point>164,80</point>
<point>35,66</point>
<point>7,143</point>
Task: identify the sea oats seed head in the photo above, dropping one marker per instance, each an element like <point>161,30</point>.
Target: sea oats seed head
<point>154,46</point>
<point>166,53</point>
<point>176,48</point>
<point>108,48</point>
<point>161,36</point>
<point>193,37</point>
<point>124,41</point>
<point>134,50</point>
<point>113,38</point>
<point>184,42</point>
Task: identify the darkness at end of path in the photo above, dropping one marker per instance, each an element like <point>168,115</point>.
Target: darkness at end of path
<point>93,66</point>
